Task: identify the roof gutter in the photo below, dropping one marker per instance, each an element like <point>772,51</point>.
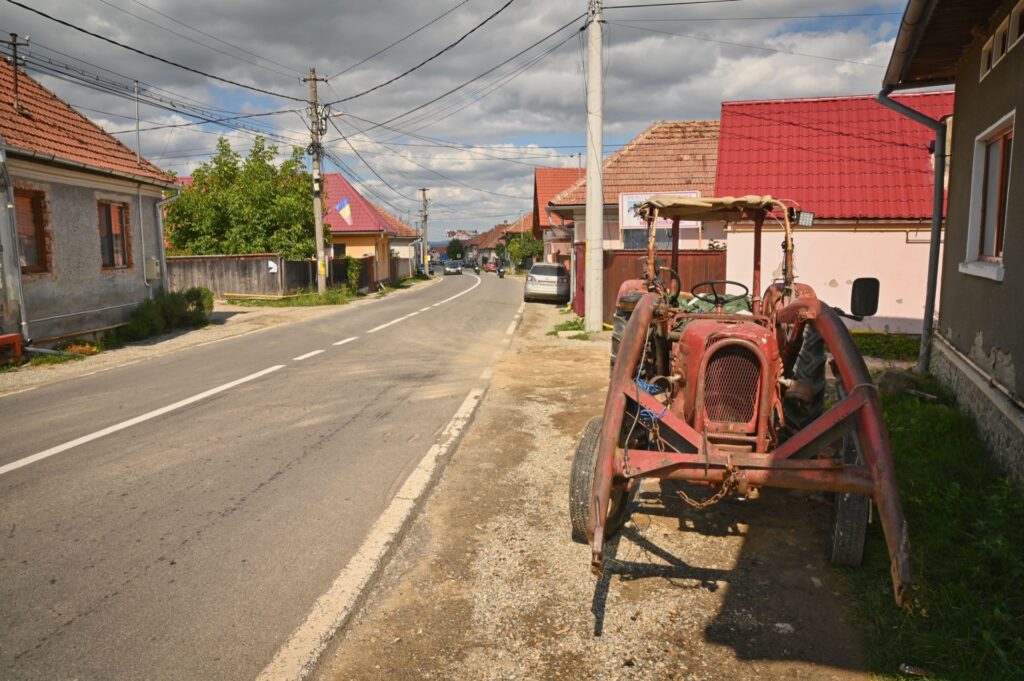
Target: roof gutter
<point>915,20</point>
<point>56,160</point>
<point>938,196</point>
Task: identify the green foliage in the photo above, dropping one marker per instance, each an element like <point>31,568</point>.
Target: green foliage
<point>524,246</point>
<point>966,618</point>
<point>355,267</point>
<point>455,250</point>
<point>165,312</point>
<point>574,324</point>
<point>250,205</point>
<point>887,345</point>
<point>39,360</point>
<point>338,295</point>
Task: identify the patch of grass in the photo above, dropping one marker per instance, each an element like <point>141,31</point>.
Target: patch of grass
<point>574,324</point>
<point>966,520</point>
<point>579,336</point>
<point>339,295</point>
<point>887,345</point>
<point>41,360</point>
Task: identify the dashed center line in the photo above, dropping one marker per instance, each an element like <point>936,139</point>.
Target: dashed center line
<point>347,340</point>
<point>306,356</point>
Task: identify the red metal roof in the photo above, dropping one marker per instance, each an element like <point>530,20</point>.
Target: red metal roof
<point>395,226</point>
<point>363,217</point>
<point>839,157</point>
<point>47,126</point>
<point>667,156</point>
<point>549,182</point>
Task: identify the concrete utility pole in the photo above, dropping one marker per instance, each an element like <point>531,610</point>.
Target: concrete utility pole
<point>14,45</point>
<point>317,127</point>
<point>138,142</point>
<point>423,232</point>
<point>594,280</point>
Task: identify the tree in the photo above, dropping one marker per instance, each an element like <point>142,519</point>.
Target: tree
<point>455,250</point>
<point>524,246</point>
<point>250,205</point>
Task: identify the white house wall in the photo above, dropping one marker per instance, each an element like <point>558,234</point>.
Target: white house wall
<point>829,261</point>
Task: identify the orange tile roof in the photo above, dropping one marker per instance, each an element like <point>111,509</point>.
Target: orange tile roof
<point>667,156</point>
<point>47,126</point>
<point>396,226</point>
<point>523,225</point>
<point>548,183</point>
<point>490,238</point>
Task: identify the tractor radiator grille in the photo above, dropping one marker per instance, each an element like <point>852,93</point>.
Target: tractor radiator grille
<point>731,385</point>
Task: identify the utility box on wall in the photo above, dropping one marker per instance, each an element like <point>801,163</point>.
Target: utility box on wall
<point>152,268</point>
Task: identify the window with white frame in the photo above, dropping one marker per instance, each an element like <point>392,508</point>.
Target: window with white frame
<point>990,191</point>
<point>1017,24</point>
<point>986,58</point>
<point>1002,41</point>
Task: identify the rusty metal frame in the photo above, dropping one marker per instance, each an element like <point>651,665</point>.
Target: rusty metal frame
<point>859,411</point>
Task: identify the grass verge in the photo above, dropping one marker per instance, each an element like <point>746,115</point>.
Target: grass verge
<point>887,345</point>
<point>966,618</point>
<point>333,296</point>
<point>574,324</point>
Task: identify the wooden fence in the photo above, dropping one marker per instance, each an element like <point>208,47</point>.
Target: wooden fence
<point>621,265</point>
<point>261,274</point>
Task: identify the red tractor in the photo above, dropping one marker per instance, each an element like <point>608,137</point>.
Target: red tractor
<point>726,389</point>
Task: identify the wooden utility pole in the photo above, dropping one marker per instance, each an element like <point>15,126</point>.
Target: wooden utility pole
<point>317,127</point>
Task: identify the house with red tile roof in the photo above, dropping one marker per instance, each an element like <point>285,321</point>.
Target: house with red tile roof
<point>355,227</point>
<point>88,246</point>
<point>863,170</point>
<point>667,157</point>
<point>403,243</point>
<point>555,233</point>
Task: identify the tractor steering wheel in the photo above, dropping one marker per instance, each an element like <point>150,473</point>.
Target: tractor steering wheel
<point>714,297</point>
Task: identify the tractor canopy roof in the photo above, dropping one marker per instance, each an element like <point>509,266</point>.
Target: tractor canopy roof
<point>726,208</point>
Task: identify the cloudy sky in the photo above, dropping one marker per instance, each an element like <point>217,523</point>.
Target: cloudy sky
<point>476,147</point>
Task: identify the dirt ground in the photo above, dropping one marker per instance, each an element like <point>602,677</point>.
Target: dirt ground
<point>488,584</point>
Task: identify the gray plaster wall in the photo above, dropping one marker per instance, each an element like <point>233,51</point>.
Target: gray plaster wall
<point>77,294</point>
<point>980,316</point>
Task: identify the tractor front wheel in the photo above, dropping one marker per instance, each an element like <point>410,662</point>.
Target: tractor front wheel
<point>581,488</point>
<point>850,514</point>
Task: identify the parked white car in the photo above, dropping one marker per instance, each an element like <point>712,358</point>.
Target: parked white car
<point>547,281</point>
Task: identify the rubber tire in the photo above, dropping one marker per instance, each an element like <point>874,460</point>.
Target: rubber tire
<point>810,368</point>
<point>850,514</point>
<point>581,486</point>
<point>621,319</point>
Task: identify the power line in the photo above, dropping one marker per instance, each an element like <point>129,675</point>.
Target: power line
<point>365,163</point>
<point>213,37</point>
<point>664,20</point>
<point>425,61</point>
<point>153,56</point>
<point>400,40</point>
<point>194,41</point>
<point>204,121</point>
<point>746,45</point>
<point>670,4</point>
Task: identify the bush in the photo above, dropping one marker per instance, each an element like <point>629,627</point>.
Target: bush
<point>354,267</point>
<point>887,345</point>
<point>165,312</point>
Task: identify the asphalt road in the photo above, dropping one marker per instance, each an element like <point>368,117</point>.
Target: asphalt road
<point>179,522</point>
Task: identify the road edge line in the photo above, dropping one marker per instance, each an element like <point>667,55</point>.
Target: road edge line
<point>299,656</point>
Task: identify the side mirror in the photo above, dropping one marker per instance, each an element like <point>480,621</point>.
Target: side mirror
<point>864,297</point>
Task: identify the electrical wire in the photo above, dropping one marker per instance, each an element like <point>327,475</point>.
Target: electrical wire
<point>153,56</point>
<point>366,163</point>
<point>196,42</point>
<point>400,40</point>
<point>425,61</point>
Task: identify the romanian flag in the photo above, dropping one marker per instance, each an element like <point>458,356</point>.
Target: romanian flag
<point>344,210</point>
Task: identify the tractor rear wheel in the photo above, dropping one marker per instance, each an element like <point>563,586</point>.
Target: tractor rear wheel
<point>581,488</point>
<point>620,320</point>
<point>850,514</point>
<point>809,369</point>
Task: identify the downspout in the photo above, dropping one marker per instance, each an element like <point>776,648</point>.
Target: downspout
<point>142,241</point>
<point>15,275</point>
<point>938,194</point>
<point>164,281</point>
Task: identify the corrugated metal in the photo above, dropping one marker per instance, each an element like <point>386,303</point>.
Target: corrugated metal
<point>839,157</point>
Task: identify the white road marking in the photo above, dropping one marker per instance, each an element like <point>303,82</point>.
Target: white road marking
<point>297,657</point>
<point>14,465</point>
<point>511,327</point>
<point>487,374</point>
<point>424,309</point>
<point>441,302</point>
<point>347,340</point>
<point>306,356</point>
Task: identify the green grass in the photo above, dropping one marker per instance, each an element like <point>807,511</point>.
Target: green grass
<point>333,296</point>
<point>582,336</point>
<point>966,520</point>
<point>574,324</point>
<point>40,360</point>
<point>887,345</point>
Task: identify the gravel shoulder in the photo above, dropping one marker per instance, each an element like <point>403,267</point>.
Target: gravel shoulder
<point>488,584</point>
<point>227,321</point>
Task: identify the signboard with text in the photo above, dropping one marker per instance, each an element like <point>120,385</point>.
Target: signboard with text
<point>628,201</point>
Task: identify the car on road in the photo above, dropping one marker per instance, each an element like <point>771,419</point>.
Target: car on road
<point>547,281</point>
<point>453,267</point>
<point>491,266</point>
